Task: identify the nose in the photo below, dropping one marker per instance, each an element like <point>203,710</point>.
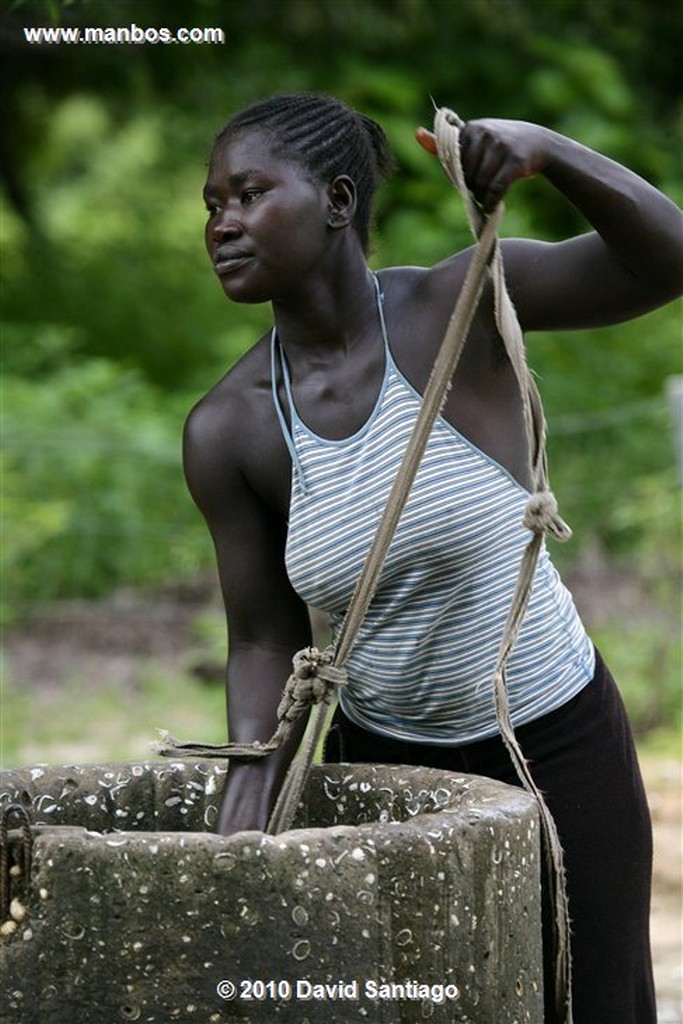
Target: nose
<point>226,226</point>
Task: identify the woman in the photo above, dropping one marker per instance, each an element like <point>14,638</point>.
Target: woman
<point>291,455</point>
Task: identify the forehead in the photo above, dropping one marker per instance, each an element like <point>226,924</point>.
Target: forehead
<point>250,151</point>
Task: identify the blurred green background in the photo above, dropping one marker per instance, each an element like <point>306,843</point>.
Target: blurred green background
<point>113,324</point>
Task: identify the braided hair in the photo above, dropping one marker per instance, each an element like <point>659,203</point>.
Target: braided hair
<point>327,138</point>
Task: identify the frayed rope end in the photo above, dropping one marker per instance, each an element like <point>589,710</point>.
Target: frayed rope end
<point>541,516</point>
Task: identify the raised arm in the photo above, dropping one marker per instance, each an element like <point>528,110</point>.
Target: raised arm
<point>267,621</point>
<point>630,263</point>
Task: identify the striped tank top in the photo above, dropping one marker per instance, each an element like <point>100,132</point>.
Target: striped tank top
<point>421,668</point>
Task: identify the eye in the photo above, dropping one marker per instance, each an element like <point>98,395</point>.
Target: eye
<point>250,195</point>
<point>212,209</point>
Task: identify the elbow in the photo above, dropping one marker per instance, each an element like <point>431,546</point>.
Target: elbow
<point>669,265</point>
<point>654,254</point>
<point>659,278</point>
<point>666,283</point>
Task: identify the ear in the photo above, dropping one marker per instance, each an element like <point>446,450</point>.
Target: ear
<point>341,201</point>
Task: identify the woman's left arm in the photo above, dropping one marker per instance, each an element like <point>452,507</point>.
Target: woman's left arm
<point>631,263</point>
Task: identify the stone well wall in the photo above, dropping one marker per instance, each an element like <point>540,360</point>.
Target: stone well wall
<point>401,895</point>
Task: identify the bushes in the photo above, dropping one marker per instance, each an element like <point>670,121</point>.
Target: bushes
<point>94,493</point>
<point>111,313</point>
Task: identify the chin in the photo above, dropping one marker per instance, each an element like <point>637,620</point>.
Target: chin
<point>244,294</point>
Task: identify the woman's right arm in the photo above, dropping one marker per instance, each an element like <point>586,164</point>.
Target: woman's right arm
<point>267,621</point>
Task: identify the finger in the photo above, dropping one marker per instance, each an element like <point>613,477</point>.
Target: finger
<point>472,153</point>
<point>486,170</point>
<point>427,140</point>
<point>491,181</point>
<point>494,193</point>
<point>500,177</point>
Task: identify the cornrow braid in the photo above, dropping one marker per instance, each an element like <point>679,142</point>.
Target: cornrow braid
<point>327,138</point>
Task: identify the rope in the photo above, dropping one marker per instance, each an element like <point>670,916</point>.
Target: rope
<point>540,517</point>
<point>316,674</point>
<point>314,681</point>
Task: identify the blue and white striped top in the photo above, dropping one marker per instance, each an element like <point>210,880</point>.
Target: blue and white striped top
<point>422,665</point>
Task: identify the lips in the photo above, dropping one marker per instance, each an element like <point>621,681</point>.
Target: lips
<point>227,260</point>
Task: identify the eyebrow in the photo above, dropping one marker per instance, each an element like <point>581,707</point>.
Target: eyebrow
<point>234,181</point>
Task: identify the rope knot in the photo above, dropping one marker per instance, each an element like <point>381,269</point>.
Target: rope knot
<point>541,516</point>
<point>314,680</point>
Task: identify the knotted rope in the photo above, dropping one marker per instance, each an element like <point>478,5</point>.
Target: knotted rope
<point>314,682</point>
<point>317,675</point>
<point>540,517</point>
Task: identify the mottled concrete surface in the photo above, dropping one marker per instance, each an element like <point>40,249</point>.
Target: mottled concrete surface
<point>403,895</point>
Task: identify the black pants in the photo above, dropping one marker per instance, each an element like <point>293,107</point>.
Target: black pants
<point>584,761</point>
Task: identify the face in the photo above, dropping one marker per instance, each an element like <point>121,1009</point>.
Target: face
<point>267,222</point>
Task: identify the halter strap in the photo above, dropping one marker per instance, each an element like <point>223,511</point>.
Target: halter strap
<point>278,357</point>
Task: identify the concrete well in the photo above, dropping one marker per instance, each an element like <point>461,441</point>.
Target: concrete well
<point>402,895</point>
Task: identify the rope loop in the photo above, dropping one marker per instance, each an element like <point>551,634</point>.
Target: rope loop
<point>314,680</point>
<point>312,663</point>
<point>541,516</point>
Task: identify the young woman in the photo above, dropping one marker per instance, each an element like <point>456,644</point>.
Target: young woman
<point>291,455</point>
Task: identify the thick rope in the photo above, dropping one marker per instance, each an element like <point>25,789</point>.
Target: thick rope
<point>314,681</point>
<point>540,517</point>
<point>432,402</point>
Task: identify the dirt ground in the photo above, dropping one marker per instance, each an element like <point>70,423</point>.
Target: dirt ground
<point>663,781</point>
<point>107,641</point>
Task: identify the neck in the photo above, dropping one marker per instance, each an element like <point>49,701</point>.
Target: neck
<point>330,313</point>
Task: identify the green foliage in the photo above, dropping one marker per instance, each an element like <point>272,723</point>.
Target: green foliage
<point>119,258</point>
<point>647,667</point>
<point>112,324</point>
<point>94,494</point>
<point>611,435</point>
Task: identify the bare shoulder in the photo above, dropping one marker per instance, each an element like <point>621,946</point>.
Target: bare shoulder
<point>413,283</point>
<point>217,416</point>
<point>223,430</point>
<point>430,288</point>
<point>419,302</point>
